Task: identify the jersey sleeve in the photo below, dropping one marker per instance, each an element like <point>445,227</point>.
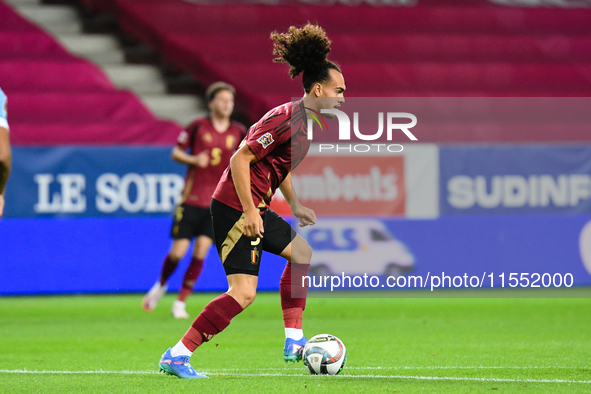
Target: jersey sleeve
<point>183,140</point>
<point>265,137</point>
<point>3,111</point>
<point>187,137</point>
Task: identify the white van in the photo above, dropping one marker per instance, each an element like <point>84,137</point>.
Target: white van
<point>355,247</point>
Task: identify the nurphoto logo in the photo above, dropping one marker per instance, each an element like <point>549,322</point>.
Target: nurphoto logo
<point>394,122</point>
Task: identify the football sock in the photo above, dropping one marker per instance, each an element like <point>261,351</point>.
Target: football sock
<point>293,295</point>
<point>167,269</point>
<point>292,318</point>
<point>214,318</point>
<point>180,350</point>
<point>190,278</point>
<point>294,333</point>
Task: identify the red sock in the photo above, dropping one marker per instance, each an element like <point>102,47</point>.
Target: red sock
<point>293,294</point>
<point>190,278</point>
<point>214,318</point>
<point>167,269</point>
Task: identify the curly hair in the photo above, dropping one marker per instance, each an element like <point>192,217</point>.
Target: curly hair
<point>305,49</point>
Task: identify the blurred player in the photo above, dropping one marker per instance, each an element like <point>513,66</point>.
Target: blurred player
<point>5,153</point>
<point>244,226</point>
<point>211,142</point>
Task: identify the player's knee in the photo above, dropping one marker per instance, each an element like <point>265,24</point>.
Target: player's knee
<point>174,257</point>
<point>247,297</point>
<point>303,255</point>
<point>199,255</point>
<point>307,253</point>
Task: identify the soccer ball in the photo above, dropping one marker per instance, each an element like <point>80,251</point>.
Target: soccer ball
<point>324,354</point>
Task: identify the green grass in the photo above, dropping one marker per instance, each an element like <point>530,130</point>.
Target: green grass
<point>513,345</point>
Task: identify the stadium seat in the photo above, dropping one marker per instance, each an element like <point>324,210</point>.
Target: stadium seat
<point>57,98</point>
<point>456,48</point>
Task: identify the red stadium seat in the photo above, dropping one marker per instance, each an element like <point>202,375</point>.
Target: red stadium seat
<point>451,48</point>
<point>57,98</point>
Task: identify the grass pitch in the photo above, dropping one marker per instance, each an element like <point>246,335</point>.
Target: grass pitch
<point>80,344</point>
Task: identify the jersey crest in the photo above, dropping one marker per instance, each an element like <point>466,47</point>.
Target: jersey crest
<point>230,141</point>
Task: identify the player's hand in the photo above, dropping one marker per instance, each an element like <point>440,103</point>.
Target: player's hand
<point>253,224</point>
<point>202,159</point>
<point>307,216</point>
<point>1,205</point>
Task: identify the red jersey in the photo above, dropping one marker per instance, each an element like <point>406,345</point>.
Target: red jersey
<point>280,141</point>
<point>202,136</point>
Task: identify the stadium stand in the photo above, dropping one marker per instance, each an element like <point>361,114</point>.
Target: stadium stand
<point>453,48</point>
<point>57,98</point>
<point>167,92</point>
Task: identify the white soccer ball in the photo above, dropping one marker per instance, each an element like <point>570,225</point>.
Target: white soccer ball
<point>324,354</point>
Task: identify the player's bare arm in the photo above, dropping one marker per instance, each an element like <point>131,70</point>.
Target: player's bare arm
<point>5,164</point>
<point>306,216</point>
<point>199,160</point>
<point>240,166</point>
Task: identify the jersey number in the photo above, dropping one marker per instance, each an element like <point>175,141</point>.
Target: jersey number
<point>178,213</point>
<point>216,156</point>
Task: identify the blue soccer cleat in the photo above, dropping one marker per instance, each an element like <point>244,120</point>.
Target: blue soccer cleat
<point>178,366</point>
<point>292,351</point>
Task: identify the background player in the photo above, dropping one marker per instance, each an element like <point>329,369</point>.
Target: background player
<point>211,142</point>
<point>5,152</point>
<point>244,226</point>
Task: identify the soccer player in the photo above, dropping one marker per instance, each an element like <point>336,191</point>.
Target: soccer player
<point>243,224</point>
<point>211,142</point>
<point>5,153</point>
